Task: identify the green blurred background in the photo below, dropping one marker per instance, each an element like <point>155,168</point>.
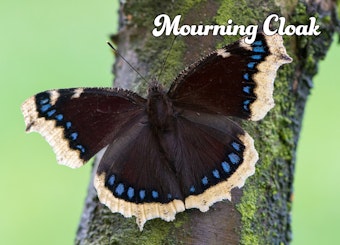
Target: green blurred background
<point>47,44</point>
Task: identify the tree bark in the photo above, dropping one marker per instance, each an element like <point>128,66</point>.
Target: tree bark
<point>260,212</point>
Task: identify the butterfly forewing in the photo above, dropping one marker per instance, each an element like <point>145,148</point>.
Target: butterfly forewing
<point>236,80</point>
<point>78,123</point>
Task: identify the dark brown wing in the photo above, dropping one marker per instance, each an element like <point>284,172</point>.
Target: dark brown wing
<point>77,123</point>
<point>236,80</point>
<point>212,155</point>
<point>135,178</point>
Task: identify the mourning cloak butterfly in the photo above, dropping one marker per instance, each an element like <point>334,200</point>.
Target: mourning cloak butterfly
<point>173,150</point>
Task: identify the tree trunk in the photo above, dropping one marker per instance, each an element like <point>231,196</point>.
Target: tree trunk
<point>259,213</point>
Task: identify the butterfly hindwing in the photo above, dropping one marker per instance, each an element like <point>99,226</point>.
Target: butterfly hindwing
<point>213,155</point>
<point>236,80</point>
<point>72,120</point>
<point>135,178</point>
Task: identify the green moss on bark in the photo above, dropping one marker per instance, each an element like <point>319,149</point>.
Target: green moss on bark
<point>273,140</point>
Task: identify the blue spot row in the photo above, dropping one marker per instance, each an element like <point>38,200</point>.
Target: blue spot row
<point>246,104</point>
<point>259,50</point>
<point>247,89</point>
<point>258,47</point>
<point>47,110</point>
<point>228,165</point>
<point>119,189</point>
<point>233,159</point>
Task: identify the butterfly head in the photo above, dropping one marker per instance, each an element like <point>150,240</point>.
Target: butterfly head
<point>154,86</point>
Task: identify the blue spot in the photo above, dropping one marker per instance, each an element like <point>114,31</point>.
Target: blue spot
<point>74,136</point>
<point>51,112</point>
<point>257,43</point>
<point>154,194</point>
<point>169,196</point>
<point>256,56</point>
<point>68,125</point>
<point>216,174</point>
<point>246,76</point>
<point>259,49</point>
<point>111,180</point>
<point>130,192</point>
<point>226,167</point>
<point>204,180</point>
<point>235,159</point>
<point>120,189</point>
<point>44,101</point>
<point>236,146</point>
<point>247,89</point>
<point>142,194</point>
<point>192,189</point>
<point>59,117</point>
<point>81,148</point>
<point>44,108</point>
<point>246,105</point>
<point>251,65</point>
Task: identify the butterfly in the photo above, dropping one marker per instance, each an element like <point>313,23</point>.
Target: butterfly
<point>173,150</point>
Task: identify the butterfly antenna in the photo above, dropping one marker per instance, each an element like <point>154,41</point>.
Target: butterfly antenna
<point>127,62</point>
<point>166,58</point>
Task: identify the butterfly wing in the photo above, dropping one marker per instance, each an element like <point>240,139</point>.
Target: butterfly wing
<point>212,156</point>
<point>135,177</point>
<point>236,80</point>
<point>77,134</point>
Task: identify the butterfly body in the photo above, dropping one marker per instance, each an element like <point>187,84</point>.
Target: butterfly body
<point>159,108</point>
<point>174,150</point>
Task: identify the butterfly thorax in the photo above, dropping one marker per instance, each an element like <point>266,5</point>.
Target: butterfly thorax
<point>159,108</point>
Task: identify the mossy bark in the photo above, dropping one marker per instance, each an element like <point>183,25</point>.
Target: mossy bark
<point>260,212</point>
